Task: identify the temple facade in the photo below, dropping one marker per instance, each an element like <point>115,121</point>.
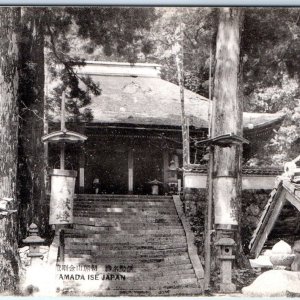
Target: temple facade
<point>135,140</point>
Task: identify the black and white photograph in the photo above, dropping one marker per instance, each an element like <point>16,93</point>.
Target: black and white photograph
<point>149,151</point>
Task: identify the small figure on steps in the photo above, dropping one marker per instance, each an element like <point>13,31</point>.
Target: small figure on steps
<point>96,185</point>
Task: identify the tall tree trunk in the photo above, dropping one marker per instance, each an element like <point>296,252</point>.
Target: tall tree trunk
<point>31,149</point>
<point>9,122</point>
<point>227,116</point>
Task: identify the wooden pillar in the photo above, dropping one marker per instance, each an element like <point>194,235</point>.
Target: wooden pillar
<point>130,171</point>
<point>81,170</point>
<point>165,168</point>
<point>62,155</point>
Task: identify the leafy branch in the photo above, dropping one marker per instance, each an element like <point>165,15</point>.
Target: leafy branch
<point>92,86</point>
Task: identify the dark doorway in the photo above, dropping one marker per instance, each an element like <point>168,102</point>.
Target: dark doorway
<point>110,167</point>
<point>147,166</point>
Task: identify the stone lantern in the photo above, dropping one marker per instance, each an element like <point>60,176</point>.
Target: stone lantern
<point>155,186</point>
<point>226,257</point>
<point>34,241</point>
<point>62,181</point>
<point>281,256</point>
<point>172,178</point>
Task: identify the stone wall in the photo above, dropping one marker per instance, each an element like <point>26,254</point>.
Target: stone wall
<point>194,205</point>
<point>253,203</point>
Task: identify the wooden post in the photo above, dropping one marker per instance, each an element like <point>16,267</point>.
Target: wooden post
<point>207,245</point>
<point>209,95</point>
<point>62,155</point>
<point>208,220</point>
<point>62,112</point>
<point>46,129</point>
<point>62,128</point>
<point>165,168</point>
<point>81,170</point>
<point>187,140</point>
<point>130,171</point>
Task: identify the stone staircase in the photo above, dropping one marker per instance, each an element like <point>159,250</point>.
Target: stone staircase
<point>127,245</point>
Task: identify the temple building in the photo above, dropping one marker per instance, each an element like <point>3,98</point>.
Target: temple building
<point>134,139</point>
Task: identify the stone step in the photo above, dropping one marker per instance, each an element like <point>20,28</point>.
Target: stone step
<point>152,293</point>
<point>166,269</point>
<point>146,253</point>
<point>121,244</point>
<point>137,277</point>
<point>126,206</point>
<point>124,199</point>
<point>139,266</point>
<point>169,266</point>
<point>83,268</point>
<point>96,197</point>
<point>159,275</point>
<point>158,202</point>
<point>135,261</point>
<point>120,248</point>
<point>128,284</point>
<point>130,220</point>
<point>182,291</point>
<point>132,276</point>
<point>126,212</point>
<point>123,216</point>
<point>87,231</point>
<point>119,216</point>
<point>143,236</point>
<point>130,227</point>
<point>132,240</point>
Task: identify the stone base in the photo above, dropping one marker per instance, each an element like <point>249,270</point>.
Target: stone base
<point>227,288</point>
<point>274,283</point>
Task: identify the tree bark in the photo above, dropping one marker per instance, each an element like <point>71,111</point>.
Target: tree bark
<point>227,116</point>
<point>31,149</point>
<point>9,81</point>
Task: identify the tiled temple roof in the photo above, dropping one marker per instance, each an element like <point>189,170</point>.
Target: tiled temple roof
<point>135,94</point>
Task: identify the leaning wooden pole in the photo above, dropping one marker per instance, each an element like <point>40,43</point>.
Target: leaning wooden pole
<point>178,52</point>
<point>208,216</point>
<point>227,118</point>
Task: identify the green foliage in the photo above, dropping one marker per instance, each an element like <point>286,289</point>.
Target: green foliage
<point>116,31</point>
<point>199,28</point>
<point>271,75</point>
<point>269,62</point>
